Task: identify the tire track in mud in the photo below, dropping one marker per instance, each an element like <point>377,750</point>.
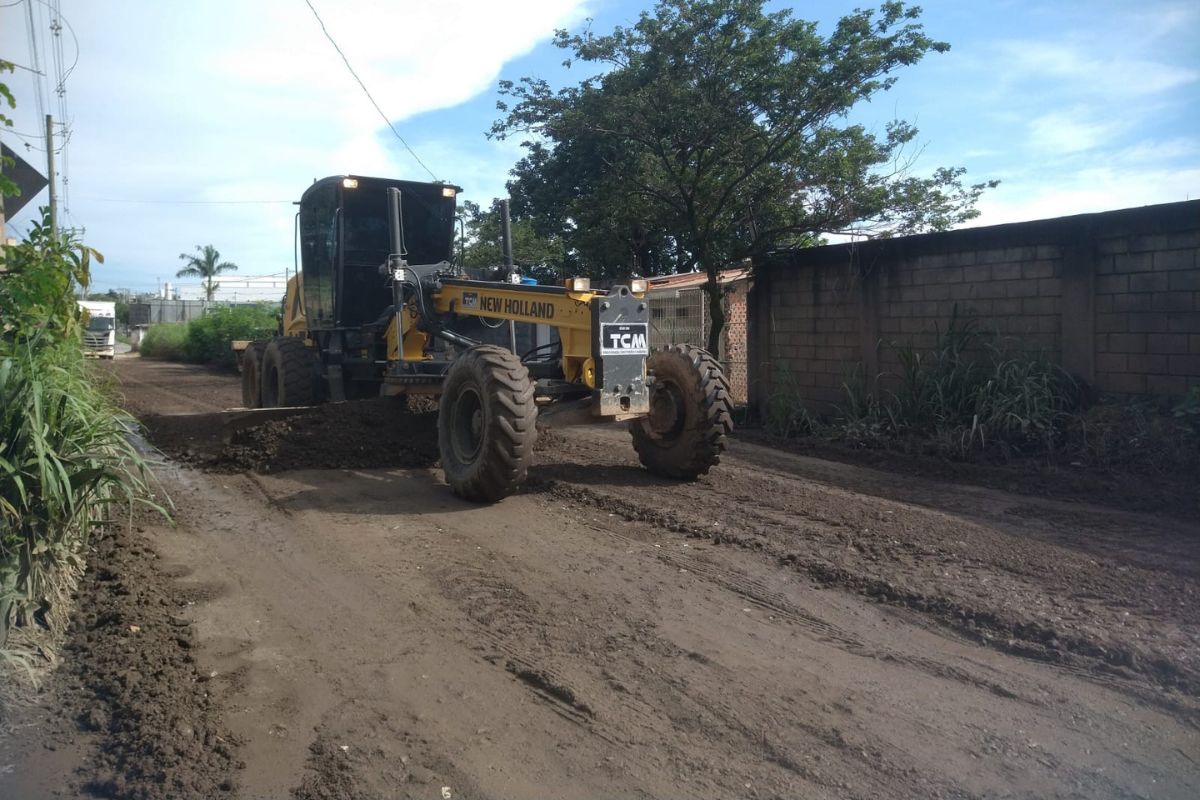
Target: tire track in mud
<point>641,711</point>
<point>762,530</point>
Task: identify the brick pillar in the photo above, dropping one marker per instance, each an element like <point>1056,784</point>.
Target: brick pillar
<point>758,339</point>
<point>1078,306</point>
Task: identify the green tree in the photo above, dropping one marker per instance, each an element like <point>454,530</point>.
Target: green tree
<point>538,256</point>
<point>7,185</point>
<point>715,131</point>
<point>206,265</point>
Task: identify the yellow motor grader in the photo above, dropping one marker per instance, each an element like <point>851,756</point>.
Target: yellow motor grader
<point>377,308</point>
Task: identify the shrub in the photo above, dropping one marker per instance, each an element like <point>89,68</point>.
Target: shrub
<point>209,337</point>
<point>164,341</point>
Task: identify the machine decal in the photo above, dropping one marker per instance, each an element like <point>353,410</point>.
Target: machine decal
<point>515,307</point>
<point>624,339</point>
<point>470,299</point>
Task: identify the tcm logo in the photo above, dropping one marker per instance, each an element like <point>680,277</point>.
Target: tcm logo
<point>624,339</point>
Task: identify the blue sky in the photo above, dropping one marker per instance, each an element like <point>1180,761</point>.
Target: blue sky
<point>178,108</point>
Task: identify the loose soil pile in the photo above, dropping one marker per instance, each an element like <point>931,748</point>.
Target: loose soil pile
<point>367,434</point>
<point>133,715</point>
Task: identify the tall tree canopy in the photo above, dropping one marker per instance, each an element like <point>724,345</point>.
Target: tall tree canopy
<point>715,131</point>
<point>535,255</point>
<point>206,265</point>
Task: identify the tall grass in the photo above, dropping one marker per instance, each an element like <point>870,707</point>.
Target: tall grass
<point>65,461</point>
<point>970,392</point>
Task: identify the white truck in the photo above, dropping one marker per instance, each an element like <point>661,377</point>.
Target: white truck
<point>100,331</point>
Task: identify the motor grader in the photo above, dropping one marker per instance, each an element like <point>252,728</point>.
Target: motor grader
<point>378,308</point>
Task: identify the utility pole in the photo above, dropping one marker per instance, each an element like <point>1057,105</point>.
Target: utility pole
<point>50,176</point>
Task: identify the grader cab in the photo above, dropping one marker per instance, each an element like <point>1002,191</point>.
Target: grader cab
<point>379,308</point>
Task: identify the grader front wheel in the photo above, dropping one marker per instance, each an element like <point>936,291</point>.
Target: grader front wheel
<point>486,424</point>
<point>252,359</point>
<point>690,414</point>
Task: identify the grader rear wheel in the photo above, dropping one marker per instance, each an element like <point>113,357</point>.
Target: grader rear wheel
<point>690,414</point>
<point>289,373</point>
<point>486,424</point>
<point>252,360</point>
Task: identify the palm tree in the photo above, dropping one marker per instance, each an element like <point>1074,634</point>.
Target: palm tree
<point>205,266</point>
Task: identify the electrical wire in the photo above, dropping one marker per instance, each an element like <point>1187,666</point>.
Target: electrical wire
<point>184,202</point>
<point>325,31</point>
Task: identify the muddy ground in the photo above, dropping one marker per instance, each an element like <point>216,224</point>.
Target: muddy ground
<point>784,627</point>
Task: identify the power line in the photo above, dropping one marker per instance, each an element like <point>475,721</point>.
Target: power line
<point>325,31</point>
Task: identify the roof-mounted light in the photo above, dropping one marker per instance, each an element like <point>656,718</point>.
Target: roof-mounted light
<point>578,284</point>
<point>349,183</point>
<point>639,285</point>
<point>449,191</point>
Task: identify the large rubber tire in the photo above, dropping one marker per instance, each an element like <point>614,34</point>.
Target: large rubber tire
<point>289,373</point>
<point>690,414</point>
<point>486,424</point>
<point>252,362</point>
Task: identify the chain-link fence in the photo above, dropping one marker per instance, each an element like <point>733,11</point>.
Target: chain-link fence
<point>681,316</point>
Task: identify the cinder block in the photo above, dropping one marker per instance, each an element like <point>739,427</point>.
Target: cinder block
<point>1134,262</point>
<point>1171,301</point>
<point>977,273</point>
<point>1112,323</point>
<point>1184,239</point>
<point>1127,343</point>
<point>1007,306</point>
<point>964,291</point>
<point>1112,284</point>
<point>909,294</point>
<point>1044,251</point>
<point>1194,344</point>
<point>1050,287</point>
<point>1129,302</point>
<point>1185,365</point>
<point>1151,364</point>
<point>1038,269</point>
<point>1112,362</point>
<point>1167,385</point>
<point>1147,242</point>
<point>1167,343</point>
<point>1124,383</point>
<point>997,256</point>
<point>938,291</point>
<point>1103,303</point>
<point>1104,265</point>
<point>1006,272</point>
<point>1039,305</point>
<point>1119,245</point>
<point>1186,280</point>
<point>1148,282</point>
<point>1026,252</point>
<point>1147,323</point>
<point>1183,322</point>
<point>1021,288</point>
<point>1050,324</point>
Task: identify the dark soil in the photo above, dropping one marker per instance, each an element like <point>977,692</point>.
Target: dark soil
<point>1164,491</point>
<point>364,434</point>
<point>130,688</point>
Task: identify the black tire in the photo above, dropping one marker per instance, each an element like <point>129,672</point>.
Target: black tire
<point>252,362</point>
<point>690,414</point>
<point>486,424</point>
<point>289,373</point>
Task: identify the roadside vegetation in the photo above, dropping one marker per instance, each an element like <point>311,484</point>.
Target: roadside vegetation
<point>978,396</point>
<point>206,340</point>
<point>67,468</point>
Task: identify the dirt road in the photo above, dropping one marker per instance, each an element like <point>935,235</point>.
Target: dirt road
<point>785,627</point>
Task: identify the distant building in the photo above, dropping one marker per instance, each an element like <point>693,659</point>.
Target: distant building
<point>239,289</point>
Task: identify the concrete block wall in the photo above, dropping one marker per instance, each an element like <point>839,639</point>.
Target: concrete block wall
<point>1112,297</point>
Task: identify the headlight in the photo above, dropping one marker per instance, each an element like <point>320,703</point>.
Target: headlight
<point>639,285</point>
<point>578,284</point>
<point>448,191</point>
<point>349,183</point>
